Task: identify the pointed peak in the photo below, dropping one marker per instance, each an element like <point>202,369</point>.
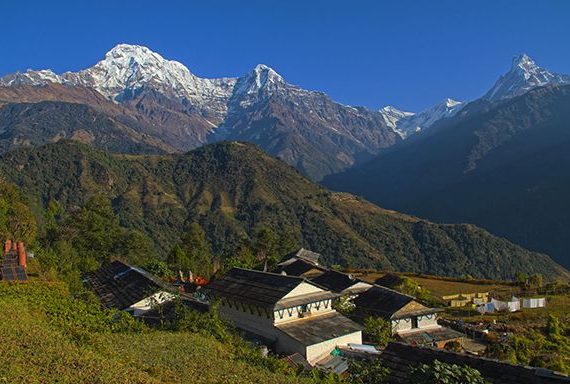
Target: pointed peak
<point>523,61</point>
<point>265,71</point>
<point>450,103</point>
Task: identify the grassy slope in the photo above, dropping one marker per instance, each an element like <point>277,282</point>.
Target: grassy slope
<point>47,337</point>
<point>233,188</point>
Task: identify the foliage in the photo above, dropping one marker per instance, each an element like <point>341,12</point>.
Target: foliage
<point>367,371</point>
<point>344,305</point>
<point>377,329</point>
<point>16,219</point>
<point>453,346</point>
<point>443,373</point>
<point>240,197</point>
<point>549,348</point>
<point>49,337</point>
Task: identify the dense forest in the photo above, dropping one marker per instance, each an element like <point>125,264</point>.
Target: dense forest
<point>229,203</point>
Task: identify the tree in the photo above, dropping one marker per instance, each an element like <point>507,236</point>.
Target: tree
<point>536,280</point>
<point>443,373</point>
<point>266,245</point>
<point>16,219</point>
<point>197,249</point>
<point>378,329</point>
<point>135,247</point>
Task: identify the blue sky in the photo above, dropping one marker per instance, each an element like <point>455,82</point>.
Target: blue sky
<point>410,54</point>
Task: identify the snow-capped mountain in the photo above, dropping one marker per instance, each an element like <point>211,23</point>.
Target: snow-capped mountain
<point>164,100</point>
<point>408,123</point>
<point>392,115</point>
<point>524,75</point>
<point>31,77</point>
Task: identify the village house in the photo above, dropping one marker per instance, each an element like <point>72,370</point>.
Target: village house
<point>14,262</point>
<point>411,322</point>
<point>128,288</point>
<point>289,313</point>
<point>301,254</point>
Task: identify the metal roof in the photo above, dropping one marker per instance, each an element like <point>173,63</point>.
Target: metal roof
<point>316,329</point>
<point>299,267</point>
<point>264,289</point>
<point>305,254</point>
<point>335,281</point>
<point>381,301</point>
<point>120,285</point>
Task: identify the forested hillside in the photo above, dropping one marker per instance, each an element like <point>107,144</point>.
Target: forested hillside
<point>236,197</point>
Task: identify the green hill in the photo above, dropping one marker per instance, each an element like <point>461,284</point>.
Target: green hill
<point>49,337</point>
<point>232,189</point>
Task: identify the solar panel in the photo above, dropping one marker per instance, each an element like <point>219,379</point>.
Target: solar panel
<point>14,273</point>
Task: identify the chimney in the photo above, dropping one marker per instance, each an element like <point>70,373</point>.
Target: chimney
<point>21,254</point>
<point>7,246</point>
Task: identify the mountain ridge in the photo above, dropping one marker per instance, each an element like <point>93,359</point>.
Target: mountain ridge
<point>233,188</point>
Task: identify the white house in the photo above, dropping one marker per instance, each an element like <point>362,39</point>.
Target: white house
<point>411,321</point>
<point>290,313</point>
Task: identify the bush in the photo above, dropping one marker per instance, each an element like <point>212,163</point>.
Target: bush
<point>443,373</point>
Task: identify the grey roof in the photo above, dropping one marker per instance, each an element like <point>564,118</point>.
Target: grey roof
<point>428,336</point>
<point>389,280</point>
<point>264,289</point>
<point>305,254</point>
<point>314,330</point>
<point>335,281</point>
<point>399,357</point>
<point>298,267</point>
<point>120,285</point>
<point>381,301</point>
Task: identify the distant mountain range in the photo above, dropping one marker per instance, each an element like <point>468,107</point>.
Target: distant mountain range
<point>164,100</point>
<point>498,161</point>
<point>233,188</point>
<point>503,165</point>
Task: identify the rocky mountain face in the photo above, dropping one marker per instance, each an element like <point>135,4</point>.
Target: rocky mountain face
<point>503,165</point>
<point>231,189</point>
<point>305,128</point>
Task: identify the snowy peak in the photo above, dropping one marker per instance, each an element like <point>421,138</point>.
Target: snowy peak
<point>408,123</point>
<point>524,75</point>
<point>259,84</point>
<point>392,115</point>
<point>31,77</point>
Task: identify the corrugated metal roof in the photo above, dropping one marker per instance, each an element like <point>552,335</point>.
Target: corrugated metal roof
<point>335,281</point>
<point>314,330</point>
<point>120,285</point>
<point>381,301</point>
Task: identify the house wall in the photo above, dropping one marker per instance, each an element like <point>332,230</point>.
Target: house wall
<point>405,324</point>
<point>316,352</point>
<point>244,319</point>
<point>147,304</point>
<point>302,289</point>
